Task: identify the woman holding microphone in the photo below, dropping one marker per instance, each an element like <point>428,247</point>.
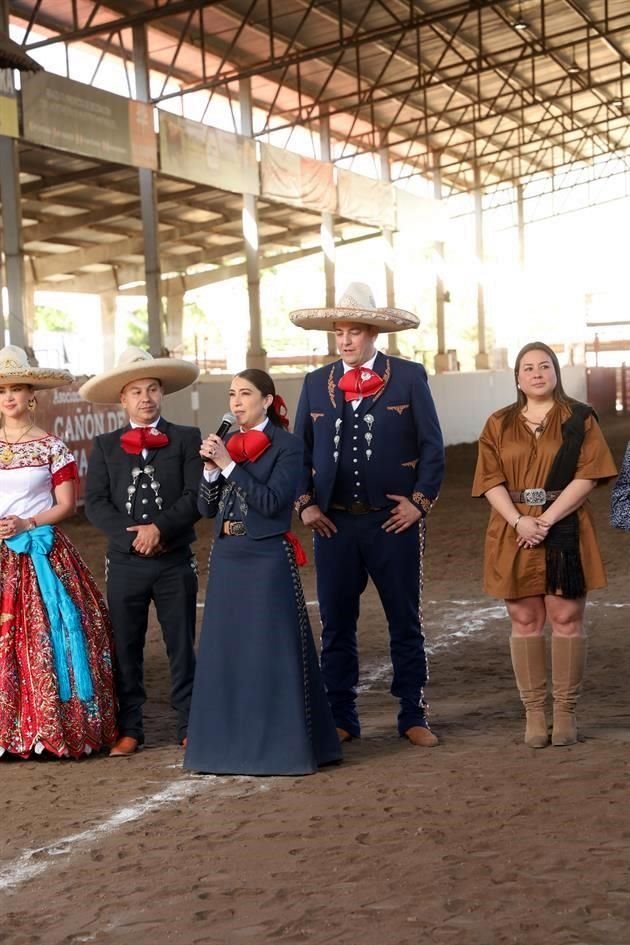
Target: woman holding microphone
<point>259,705</point>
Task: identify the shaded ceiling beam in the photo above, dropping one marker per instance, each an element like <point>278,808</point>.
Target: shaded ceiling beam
<point>102,282</point>
<point>448,37</point>
<point>354,41</point>
<point>558,170</point>
<point>602,35</point>
<point>169,9</point>
<point>40,232</point>
<point>541,148</point>
<point>468,68</point>
<point>58,263</point>
<point>61,180</point>
<point>552,53</point>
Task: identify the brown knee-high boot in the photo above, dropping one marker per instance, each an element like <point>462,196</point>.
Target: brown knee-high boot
<point>530,671</point>
<point>568,660</point>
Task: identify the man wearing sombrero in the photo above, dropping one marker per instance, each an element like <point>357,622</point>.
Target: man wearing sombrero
<point>142,492</point>
<point>373,466</point>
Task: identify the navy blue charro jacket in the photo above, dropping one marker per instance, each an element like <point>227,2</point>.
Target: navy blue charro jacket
<point>405,446</point>
<point>259,494</point>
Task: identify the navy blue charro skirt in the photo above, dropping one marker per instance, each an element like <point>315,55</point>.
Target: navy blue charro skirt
<point>259,706</point>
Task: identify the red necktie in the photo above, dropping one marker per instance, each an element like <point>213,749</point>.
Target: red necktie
<point>360,382</point>
<point>249,446</point>
<point>143,438</point>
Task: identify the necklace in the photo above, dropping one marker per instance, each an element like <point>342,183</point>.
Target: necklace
<point>538,425</point>
<point>6,453</point>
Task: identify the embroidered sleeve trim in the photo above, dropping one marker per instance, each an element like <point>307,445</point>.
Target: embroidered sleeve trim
<point>209,493</point>
<point>303,502</point>
<point>65,474</point>
<point>420,500</point>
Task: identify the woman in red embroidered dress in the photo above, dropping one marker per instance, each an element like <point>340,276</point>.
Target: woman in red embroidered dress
<point>56,683</point>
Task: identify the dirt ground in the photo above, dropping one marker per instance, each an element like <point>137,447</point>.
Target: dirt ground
<point>478,842</point>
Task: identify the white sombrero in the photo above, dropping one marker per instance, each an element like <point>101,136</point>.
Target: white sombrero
<point>15,369</point>
<point>133,364</point>
<point>355,305</point>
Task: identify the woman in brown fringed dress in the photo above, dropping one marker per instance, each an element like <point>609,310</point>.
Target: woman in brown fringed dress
<point>538,461</point>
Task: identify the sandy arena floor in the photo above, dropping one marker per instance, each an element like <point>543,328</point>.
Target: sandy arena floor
<point>479,842</point>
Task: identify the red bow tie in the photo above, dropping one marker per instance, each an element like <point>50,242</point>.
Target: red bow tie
<point>143,438</point>
<point>360,382</point>
<point>248,446</point>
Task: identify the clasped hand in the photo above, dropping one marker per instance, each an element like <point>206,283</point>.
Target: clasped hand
<point>147,541</point>
<point>12,525</point>
<point>531,531</point>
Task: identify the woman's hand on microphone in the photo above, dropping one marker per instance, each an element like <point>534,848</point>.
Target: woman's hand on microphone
<point>206,455</point>
<point>213,451</point>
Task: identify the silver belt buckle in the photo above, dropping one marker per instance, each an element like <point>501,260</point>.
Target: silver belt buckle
<point>534,496</point>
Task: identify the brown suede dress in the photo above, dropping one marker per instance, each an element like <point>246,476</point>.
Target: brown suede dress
<point>519,460</point>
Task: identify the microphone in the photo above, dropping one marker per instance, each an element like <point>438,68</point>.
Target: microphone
<point>227,422</point>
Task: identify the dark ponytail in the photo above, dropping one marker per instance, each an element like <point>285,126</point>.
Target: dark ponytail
<point>276,411</point>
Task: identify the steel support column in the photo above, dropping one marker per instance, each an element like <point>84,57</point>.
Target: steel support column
<point>388,250</point>
<point>3,324</point>
<point>328,236</point>
<point>441,361</point>
<point>520,216</point>
<point>149,205</point>
<point>174,321</point>
<point>12,225</point>
<point>108,329</point>
<point>256,354</point>
<point>12,235</point>
<point>482,361</point>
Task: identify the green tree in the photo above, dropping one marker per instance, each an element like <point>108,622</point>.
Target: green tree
<point>138,328</point>
<point>48,318</point>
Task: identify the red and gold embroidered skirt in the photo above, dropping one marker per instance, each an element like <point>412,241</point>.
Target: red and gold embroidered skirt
<point>32,716</point>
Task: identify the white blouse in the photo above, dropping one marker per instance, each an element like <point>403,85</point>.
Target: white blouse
<point>26,482</point>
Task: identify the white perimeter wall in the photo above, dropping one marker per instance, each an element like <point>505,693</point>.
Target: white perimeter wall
<point>463,401</point>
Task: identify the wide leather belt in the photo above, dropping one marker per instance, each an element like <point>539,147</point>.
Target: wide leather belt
<point>236,529</point>
<point>534,496</point>
<point>357,508</point>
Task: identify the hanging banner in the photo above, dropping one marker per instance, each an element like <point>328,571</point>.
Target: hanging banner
<point>71,116</point>
<point>205,155</point>
<point>65,414</point>
<point>296,180</point>
<point>366,200</point>
<point>9,124</point>
<point>422,218</point>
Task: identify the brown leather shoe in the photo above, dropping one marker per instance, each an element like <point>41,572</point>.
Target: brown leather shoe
<point>125,746</point>
<point>343,736</point>
<point>422,736</point>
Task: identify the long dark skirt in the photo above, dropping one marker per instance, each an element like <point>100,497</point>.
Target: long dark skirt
<point>258,705</point>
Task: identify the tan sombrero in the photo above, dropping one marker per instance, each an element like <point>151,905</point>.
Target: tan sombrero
<point>355,305</point>
<point>15,369</point>
<point>133,364</point>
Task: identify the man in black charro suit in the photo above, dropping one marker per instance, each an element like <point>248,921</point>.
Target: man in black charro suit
<point>141,492</point>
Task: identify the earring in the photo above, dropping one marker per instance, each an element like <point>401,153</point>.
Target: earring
<point>32,404</point>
